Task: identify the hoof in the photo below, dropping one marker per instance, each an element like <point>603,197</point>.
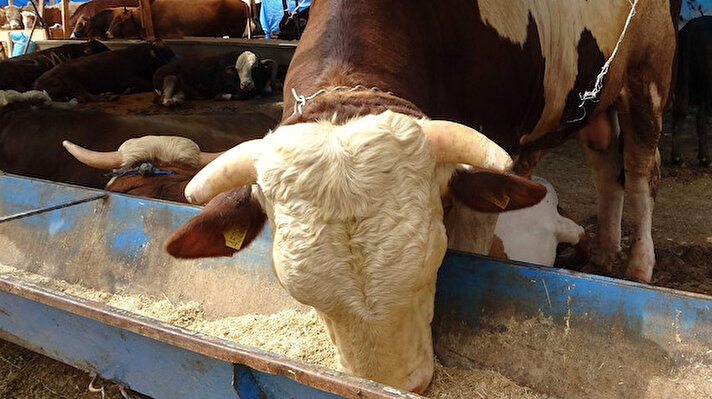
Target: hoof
<point>678,161</point>
<point>705,162</point>
<point>639,275</point>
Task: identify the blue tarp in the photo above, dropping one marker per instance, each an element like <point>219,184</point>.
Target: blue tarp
<point>272,12</point>
<point>21,3</point>
<point>694,8</point>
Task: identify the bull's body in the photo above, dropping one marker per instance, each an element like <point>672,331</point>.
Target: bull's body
<point>694,84</point>
<point>19,73</point>
<point>177,18</point>
<point>351,179</point>
<point>129,69</point>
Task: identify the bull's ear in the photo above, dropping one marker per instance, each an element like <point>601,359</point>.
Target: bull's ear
<point>231,70</point>
<point>227,224</point>
<point>486,191</point>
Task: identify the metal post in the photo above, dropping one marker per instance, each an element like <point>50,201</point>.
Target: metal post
<point>66,29</point>
<point>144,7</point>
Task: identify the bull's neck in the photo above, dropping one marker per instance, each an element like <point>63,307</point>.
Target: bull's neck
<point>345,103</point>
<point>350,44</point>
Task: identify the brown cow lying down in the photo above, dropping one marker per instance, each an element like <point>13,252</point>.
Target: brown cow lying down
<point>232,75</point>
<point>178,18</point>
<point>31,139</point>
<point>96,26</point>
<point>88,79</point>
<point>19,73</point>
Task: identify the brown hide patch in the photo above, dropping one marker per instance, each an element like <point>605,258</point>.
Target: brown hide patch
<point>204,235</point>
<point>497,248</point>
<point>166,187</point>
<point>486,191</point>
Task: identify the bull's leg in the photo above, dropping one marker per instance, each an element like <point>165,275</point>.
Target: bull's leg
<point>702,151</point>
<point>600,144</point>
<point>641,109</point>
<point>678,116</point>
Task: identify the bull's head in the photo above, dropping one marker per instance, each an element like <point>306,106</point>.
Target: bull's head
<point>254,75</point>
<point>149,166</point>
<point>357,219</point>
<point>125,25</point>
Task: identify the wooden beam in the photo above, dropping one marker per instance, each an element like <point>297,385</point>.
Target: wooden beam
<point>66,29</point>
<point>144,7</point>
<point>10,3</point>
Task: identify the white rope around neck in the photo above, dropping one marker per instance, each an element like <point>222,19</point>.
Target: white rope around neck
<point>598,86</point>
<point>301,100</point>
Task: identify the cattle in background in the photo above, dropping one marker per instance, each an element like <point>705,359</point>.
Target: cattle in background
<point>694,85</point>
<point>351,178</point>
<point>13,18</point>
<point>31,138</point>
<point>178,18</point>
<point>233,75</point>
<point>148,166</point>
<point>28,19</point>
<point>96,26</point>
<point>91,78</point>
<point>90,8</point>
<point>19,73</point>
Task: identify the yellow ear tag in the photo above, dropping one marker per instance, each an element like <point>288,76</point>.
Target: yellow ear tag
<point>235,237</point>
<point>500,200</point>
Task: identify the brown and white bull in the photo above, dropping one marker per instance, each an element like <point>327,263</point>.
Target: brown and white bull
<point>149,166</point>
<point>351,180</point>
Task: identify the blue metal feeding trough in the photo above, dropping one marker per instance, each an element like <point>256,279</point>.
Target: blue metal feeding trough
<point>113,243</point>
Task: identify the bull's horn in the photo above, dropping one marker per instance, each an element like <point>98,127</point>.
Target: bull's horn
<point>452,142</point>
<point>207,157</point>
<point>234,168</point>
<point>95,159</point>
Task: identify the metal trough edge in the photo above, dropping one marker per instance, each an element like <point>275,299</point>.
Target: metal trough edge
<point>313,376</point>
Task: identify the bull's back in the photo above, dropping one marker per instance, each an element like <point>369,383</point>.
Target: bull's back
<point>19,73</point>
<point>215,18</point>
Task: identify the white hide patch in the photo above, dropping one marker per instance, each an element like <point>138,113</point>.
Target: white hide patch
<point>560,25</point>
<point>532,234</point>
<point>356,217</point>
<point>167,149</point>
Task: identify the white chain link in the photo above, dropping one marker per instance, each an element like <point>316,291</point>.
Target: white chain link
<point>301,100</point>
<point>598,86</point>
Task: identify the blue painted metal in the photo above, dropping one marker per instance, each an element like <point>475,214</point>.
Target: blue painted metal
<point>144,364</point>
<point>470,286</point>
<point>115,244</point>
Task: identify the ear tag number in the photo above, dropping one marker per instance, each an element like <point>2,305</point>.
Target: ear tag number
<point>235,237</point>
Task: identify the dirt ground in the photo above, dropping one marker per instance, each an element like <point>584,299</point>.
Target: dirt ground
<point>682,231</point>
